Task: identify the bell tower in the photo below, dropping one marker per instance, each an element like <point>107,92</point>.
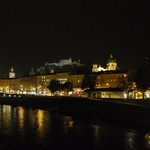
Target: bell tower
<point>12,74</point>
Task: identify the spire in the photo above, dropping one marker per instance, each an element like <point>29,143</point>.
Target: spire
<point>12,69</point>
<point>111,56</point>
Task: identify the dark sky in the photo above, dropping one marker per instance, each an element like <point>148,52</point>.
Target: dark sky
<point>34,32</point>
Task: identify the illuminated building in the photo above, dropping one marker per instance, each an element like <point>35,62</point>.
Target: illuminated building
<point>4,85</point>
<point>36,83</point>
<point>106,93</point>
<point>64,65</point>
<point>111,65</point>
<point>111,79</point>
<point>12,74</point>
<point>64,62</point>
<point>76,80</point>
<point>97,68</point>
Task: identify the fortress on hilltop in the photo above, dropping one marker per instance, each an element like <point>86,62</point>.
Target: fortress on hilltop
<point>66,65</point>
<point>64,62</point>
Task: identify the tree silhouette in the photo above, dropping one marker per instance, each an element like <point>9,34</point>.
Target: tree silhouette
<point>67,86</point>
<point>54,86</point>
<point>143,79</point>
<point>88,82</point>
<point>57,86</point>
<point>122,83</point>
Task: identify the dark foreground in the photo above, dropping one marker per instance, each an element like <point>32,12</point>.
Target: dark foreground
<point>38,129</point>
<point>120,110</point>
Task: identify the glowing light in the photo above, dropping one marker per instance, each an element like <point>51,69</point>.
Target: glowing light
<point>21,116</point>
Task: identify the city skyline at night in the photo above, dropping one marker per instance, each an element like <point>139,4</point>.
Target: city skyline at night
<point>74,66</point>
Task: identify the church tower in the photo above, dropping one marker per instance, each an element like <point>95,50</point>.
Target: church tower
<point>94,69</point>
<point>111,63</point>
<point>12,74</point>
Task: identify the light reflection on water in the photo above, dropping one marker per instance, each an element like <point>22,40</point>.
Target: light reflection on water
<point>25,128</point>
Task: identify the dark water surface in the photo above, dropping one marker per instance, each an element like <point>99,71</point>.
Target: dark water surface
<point>26,128</point>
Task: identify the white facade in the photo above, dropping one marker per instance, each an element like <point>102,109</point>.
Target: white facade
<point>97,68</point>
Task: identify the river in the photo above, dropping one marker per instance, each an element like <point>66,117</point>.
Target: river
<point>27,128</point>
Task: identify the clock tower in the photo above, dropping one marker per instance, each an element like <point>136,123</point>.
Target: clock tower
<point>12,74</point>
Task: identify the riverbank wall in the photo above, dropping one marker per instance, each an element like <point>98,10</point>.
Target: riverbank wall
<point>119,110</point>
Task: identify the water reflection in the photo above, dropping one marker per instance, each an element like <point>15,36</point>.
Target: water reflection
<point>96,133</point>
<point>36,120</point>
<point>21,117</point>
<point>130,139</point>
<point>40,123</point>
<point>6,113</point>
<point>68,123</point>
<point>147,138</point>
<point>25,128</point>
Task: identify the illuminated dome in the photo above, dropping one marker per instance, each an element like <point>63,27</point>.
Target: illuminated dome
<point>111,63</point>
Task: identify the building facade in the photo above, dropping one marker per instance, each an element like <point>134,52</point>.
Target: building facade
<point>111,79</point>
<point>37,84</point>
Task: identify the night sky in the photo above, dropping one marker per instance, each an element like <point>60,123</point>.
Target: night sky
<point>33,32</point>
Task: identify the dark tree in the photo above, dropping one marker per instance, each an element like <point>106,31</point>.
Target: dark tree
<point>54,86</point>
<point>88,82</point>
<point>142,79</point>
<point>123,83</point>
<point>67,86</point>
<point>57,86</point>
